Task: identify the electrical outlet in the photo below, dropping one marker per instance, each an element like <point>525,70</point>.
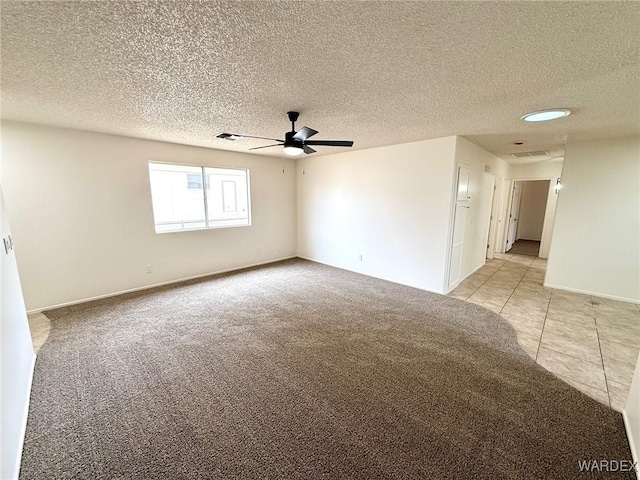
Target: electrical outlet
<point>149,268</point>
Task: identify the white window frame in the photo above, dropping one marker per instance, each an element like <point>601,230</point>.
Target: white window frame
<point>205,196</point>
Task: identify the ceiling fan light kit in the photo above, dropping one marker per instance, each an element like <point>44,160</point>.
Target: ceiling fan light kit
<point>292,151</point>
<point>294,143</point>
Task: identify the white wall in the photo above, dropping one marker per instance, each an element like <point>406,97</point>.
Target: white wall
<point>82,215</point>
<point>17,358</point>
<point>596,242</point>
<point>481,192</point>
<point>551,170</point>
<point>537,170</point>
<point>389,204</point>
<point>532,209</point>
<point>631,414</point>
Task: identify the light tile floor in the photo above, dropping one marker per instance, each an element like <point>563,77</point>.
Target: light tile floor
<point>40,326</point>
<point>589,342</point>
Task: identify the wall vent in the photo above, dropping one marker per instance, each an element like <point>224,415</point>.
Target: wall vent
<point>539,153</point>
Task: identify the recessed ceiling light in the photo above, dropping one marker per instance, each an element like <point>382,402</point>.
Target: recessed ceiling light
<point>545,115</point>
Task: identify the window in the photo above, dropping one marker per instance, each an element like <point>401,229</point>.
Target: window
<point>181,203</point>
<point>194,181</point>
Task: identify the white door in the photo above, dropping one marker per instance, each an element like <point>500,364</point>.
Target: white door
<point>493,218</point>
<point>457,244</point>
<point>459,224</point>
<point>513,215</point>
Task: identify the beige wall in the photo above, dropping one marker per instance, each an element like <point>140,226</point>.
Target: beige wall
<point>81,214</point>
<point>387,212</point>
<point>551,169</point>
<point>390,205</point>
<point>596,240</point>
<point>532,210</point>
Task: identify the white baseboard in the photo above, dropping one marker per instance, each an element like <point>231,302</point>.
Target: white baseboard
<point>595,294</point>
<point>452,288</point>
<point>632,443</point>
<point>386,279</point>
<point>154,285</point>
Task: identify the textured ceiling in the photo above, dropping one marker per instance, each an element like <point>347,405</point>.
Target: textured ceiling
<point>378,73</point>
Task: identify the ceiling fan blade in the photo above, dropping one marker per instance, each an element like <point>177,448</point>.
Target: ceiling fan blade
<point>308,149</point>
<point>304,133</point>
<point>227,135</point>
<point>267,146</point>
<point>330,143</point>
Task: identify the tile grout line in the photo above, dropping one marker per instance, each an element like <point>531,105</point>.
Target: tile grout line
<point>582,359</point>
<point>533,267</point>
<point>628,345</point>
<point>604,372</point>
<point>478,288</point>
<point>512,292</point>
<point>506,261</point>
<point>544,323</point>
<point>482,284</point>
<point>599,348</point>
<point>514,288</point>
<point>562,377</point>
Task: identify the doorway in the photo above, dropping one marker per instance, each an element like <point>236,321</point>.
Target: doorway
<point>526,216</point>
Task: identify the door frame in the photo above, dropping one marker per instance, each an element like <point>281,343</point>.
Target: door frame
<point>505,229</point>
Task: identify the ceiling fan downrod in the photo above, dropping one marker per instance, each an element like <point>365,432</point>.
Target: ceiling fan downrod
<point>293,118</point>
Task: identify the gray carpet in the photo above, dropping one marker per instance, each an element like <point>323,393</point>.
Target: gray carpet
<point>299,370</point>
<point>526,247</point>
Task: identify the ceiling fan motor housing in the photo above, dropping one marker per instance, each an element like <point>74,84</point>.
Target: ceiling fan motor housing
<point>289,141</point>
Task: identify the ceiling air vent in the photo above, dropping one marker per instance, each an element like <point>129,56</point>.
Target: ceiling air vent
<point>228,136</point>
<point>539,153</point>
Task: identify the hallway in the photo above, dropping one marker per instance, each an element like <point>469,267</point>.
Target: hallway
<point>525,247</point>
<point>589,342</point>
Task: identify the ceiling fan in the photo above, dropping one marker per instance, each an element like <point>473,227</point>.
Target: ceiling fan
<point>295,143</point>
